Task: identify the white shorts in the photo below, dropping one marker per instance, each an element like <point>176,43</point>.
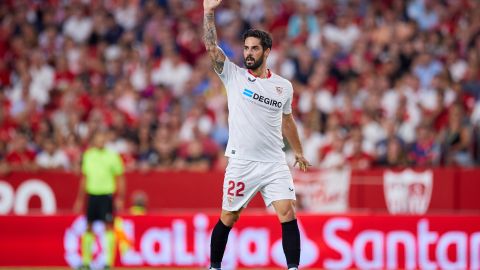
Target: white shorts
<point>244,178</point>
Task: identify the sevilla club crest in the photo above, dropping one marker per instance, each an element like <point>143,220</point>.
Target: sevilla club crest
<point>279,89</point>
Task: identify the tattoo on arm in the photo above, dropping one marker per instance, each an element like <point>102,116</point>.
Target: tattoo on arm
<point>210,39</point>
<point>210,35</point>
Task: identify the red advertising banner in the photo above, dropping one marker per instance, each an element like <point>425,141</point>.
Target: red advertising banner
<point>182,240</point>
<point>449,190</point>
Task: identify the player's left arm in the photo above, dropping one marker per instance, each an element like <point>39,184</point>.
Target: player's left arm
<point>289,130</point>
<point>120,196</point>
<point>119,170</point>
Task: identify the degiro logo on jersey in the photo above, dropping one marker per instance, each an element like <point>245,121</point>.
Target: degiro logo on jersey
<point>262,99</point>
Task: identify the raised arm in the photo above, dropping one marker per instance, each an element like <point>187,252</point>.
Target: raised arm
<point>210,35</point>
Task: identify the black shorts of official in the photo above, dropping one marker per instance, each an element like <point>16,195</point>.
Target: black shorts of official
<point>100,207</point>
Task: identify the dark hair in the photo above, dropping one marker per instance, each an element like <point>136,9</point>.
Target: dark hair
<point>265,38</point>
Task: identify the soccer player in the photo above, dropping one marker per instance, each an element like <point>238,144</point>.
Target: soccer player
<point>259,104</point>
<point>102,176</point>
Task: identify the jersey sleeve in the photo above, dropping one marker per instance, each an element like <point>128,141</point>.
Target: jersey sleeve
<point>118,168</point>
<point>229,69</point>
<point>84,164</point>
<point>287,107</point>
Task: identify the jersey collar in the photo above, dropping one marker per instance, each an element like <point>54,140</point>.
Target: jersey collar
<point>269,74</point>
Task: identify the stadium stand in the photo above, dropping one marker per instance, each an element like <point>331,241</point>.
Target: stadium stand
<point>378,83</point>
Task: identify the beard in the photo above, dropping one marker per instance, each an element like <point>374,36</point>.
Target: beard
<point>255,63</point>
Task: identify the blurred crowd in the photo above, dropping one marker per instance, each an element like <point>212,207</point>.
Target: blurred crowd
<point>377,83</point>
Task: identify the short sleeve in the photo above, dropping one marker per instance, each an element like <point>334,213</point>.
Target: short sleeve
<point>84,164</point>
<point>117,165</point>
<point>228,71</point>
<point>287,107</point>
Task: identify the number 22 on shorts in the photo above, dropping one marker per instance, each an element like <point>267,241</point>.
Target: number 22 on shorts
<point>235,188</point>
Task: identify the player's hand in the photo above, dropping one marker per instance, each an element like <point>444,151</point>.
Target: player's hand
<point>303,164</point>
<point>210,5</point>
<point>77,206</point>
<point>119,204</point>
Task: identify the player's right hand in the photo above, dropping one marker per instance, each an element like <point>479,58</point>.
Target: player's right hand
<point>210,5</point>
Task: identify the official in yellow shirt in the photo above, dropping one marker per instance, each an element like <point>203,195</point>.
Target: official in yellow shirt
<point>102,178</point>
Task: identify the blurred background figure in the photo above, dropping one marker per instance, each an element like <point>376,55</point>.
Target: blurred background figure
<point>457,139</point>
<point>425,151</point>
<point>52,158</point>
<point>394,156</point>
<point>139,203</point>
<point>19,155</point>
<point>102,179</point>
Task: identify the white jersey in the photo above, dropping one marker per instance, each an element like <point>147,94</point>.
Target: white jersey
<point>255,108</point>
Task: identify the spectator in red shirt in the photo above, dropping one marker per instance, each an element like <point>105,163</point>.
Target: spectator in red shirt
<point>19,157</point>
<point>4,167</point>
<point>359,160</point>
<point>7,126</point>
